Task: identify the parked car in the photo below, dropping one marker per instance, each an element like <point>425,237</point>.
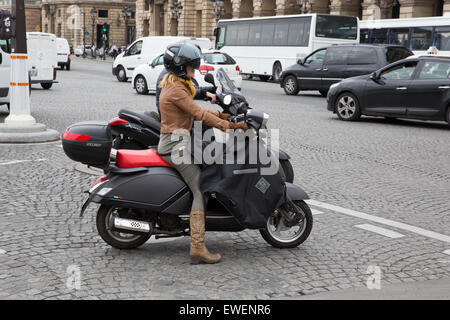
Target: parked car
<point>79,50</point>
<point>329,65</point>
<point>63,52</point>
<point>144,50</point>
<point>416,88</point>
<point>145,76</point>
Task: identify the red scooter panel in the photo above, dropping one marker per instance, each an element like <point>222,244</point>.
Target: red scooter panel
<point>139,158</point>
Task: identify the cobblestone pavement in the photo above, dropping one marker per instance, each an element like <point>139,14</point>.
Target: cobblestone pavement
<point>398,171</point>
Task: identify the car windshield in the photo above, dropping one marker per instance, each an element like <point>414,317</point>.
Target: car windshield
<point>218,58</point>
<point>226,85</point>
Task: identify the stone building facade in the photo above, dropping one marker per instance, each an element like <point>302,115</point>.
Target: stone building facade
<point>32,13</point>
<point>68,19</point>
<point>198,17</point>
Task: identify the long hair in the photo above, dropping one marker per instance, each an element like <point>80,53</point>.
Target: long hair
<point>168,80</point>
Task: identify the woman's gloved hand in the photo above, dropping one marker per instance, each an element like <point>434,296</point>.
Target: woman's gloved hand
<point>224,116</point>
<point>236,126</point>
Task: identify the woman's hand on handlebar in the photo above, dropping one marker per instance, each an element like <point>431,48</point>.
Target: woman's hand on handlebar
<point>224,116</point>
<point>240,125</point>
<point>211,97</point>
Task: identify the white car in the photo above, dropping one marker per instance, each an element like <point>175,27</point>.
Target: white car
<point>145,75</point>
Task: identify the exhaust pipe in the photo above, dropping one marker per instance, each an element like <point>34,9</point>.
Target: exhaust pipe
<point>131,226</point>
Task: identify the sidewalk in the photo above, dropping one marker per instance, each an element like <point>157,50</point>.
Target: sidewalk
<point>426,290</point>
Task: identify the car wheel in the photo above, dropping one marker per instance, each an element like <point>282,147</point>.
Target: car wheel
<point>46,85</point>
<point>141,85</point>
<point>290,85</point>
<point>276,72</point>
<point>121,74</point>
<point>323,92</point>
<point>347,107</point>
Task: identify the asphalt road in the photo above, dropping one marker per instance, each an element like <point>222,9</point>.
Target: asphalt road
<point>379,190</point>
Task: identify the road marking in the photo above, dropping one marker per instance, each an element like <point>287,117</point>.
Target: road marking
<point>379,230</point>
<point>446,252</point>
<point>20,161</point>
<point>395,224</point>
<point>316,212</point>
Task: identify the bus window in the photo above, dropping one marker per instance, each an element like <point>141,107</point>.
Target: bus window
<point>295,35</point>
<point>254,35</point>
<point>399,36</point>
<point>242,36</point>
<point>220,38</point>
<point>364,36</point>
<point>5,45</point>
<point>422,38</point>
<point>267,34</point>
<point>442,38</point>
<point>231,35</point>
<point>340,27</point>
<point>379,36</point>
<point>281,34</point>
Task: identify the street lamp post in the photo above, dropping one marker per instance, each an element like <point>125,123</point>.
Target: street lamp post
<point>93,15</point>
<point>84,30</point>
<point>126,12</point>
<point>219,8</point>
<point>305,6</point>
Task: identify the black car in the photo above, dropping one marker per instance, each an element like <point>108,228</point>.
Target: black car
<point>416,88</point>
<point>329,65</point>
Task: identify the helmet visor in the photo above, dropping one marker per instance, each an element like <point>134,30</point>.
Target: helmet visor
<point>195,63</point>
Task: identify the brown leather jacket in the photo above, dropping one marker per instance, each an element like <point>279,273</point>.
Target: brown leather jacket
<point>178,110</point>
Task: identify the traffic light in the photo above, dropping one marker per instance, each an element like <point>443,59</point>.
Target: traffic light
<point>105,28</point>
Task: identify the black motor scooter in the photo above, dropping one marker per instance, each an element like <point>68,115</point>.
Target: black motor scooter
<point>140,130</point>
<point>141,195</point>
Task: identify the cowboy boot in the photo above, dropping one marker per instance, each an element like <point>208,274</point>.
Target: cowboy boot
<point>198,251</point>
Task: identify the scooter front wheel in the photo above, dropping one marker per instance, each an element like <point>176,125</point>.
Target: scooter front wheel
<point>116,239</point>
<point>278,235</point>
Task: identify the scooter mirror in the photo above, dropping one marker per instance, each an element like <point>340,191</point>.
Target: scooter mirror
<point>227,100</point>
<point>210,79</point>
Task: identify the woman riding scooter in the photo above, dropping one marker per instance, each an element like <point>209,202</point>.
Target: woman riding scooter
<point>178,111</point>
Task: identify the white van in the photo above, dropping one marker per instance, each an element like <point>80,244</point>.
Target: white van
<point>5,71</point>
<point>63,53</point>
<point>144,50</point>
<point>42,58</point>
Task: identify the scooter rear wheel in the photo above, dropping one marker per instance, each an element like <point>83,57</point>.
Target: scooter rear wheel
<point>275,235</point>
<point>113,238</point>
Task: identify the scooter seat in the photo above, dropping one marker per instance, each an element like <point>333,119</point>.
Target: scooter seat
<point>147,120</point>
<point>126,158</point>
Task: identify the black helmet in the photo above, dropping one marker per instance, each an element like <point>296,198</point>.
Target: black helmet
<point>180,55</point>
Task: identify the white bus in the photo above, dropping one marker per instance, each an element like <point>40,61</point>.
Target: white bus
<point>416,34</point>
<point>265,46</point>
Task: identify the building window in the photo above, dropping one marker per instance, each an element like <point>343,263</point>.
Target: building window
<point>59,30</point>
<point>103,13</point>
<point>146,6</point>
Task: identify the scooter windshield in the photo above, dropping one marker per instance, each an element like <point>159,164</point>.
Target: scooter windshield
<point>226,84</point>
